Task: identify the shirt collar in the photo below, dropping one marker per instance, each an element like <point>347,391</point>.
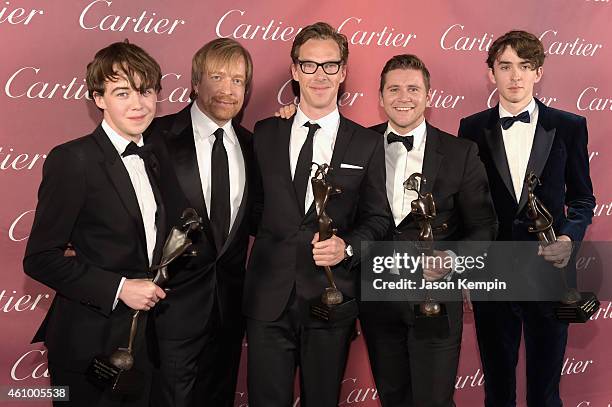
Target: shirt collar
<point>329,122</point>
<point>418,132</point>
<point>204,126</point>
<point>119,142</point>
<point>530,108</point>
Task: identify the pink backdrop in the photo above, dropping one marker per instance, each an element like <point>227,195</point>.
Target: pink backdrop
<point>46,45</point>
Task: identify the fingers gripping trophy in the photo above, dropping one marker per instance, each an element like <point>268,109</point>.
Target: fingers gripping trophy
<point>332,298</point>
<point>574,306</point>
<point>431,318</point>
<point>116,371</point>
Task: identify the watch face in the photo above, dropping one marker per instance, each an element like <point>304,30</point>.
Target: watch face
<point>349,250</point>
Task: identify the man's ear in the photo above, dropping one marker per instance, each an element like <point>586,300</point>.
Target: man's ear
<point>342,73</point>
<point>294,72</point>
<point>491,76</point>
<point>539,73</point>
<point>99,100</point>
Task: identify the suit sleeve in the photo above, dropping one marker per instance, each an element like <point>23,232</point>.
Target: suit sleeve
<point>256,187</point>
<point>61,196</point>
<point>462,132</point>
<point>373,216</point>
<point>474,200</point>
<point>579,197</point>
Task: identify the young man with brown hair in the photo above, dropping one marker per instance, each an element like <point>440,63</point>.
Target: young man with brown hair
<point>206,163</point>
<point>99,193</point>
<point>410,370</point>
<point>284,275</point>
<point>522,134</point>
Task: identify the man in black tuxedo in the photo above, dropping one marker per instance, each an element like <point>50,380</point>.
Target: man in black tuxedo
<point>411,371</point>
<point>206,164</point>
<point>518,135</point>
<point>99,193</point>
<point>284,274</point>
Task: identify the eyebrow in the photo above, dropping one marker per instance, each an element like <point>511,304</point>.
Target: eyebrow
<point>119,88</point>
<point>510,63</point>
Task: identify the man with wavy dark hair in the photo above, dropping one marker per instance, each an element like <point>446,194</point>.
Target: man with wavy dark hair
<point>518,135</point>
<point>99,193</point>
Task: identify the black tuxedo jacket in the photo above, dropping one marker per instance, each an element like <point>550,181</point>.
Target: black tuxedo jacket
<point>559,157</point>
<point>195,281</point>
<point>458,183</point>
<point>86,198</point>
<point>281,258</point>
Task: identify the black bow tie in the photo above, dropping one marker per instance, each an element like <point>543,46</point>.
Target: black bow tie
<point>507,122</point>
<point>132,149</point>
<point>407,141</point>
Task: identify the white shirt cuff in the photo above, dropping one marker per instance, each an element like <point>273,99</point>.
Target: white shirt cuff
<point>454,257</point>
<point>118,291</point>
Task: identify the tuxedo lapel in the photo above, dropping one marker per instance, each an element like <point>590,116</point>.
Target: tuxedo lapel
<point>283,153</point>
<point>182,152</point>
<point>495,141</point>
<point>245,195</point>
<point>152,168</point>
<point>432,158</point>
<point>117,173</point>
<point>542,143</point>
<point>343,139</point>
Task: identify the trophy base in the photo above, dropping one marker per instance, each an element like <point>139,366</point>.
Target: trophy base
<point>125,383</point>
<point>334,313</point>
<point>580,311</point>
<point>428,326</point>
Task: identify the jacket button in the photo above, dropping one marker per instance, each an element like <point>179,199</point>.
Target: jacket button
<point>517,222</point>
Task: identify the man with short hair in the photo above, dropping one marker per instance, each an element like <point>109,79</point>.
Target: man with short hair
<point>518,135</point>
<point>410,370</point>
<point>205,163</point>
<point>284,275</point>
<point>99,193</point>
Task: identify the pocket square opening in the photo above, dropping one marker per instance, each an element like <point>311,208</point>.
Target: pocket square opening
<point>355,167</point>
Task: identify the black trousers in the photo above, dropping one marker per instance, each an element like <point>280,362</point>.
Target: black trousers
<point>276,349</point>
<point>499,326</point>
<point>411,372</point>
<point>83,393</point>
<point>200,371</point>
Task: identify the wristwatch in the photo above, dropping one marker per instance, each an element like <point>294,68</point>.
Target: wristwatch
<point>348,251</point>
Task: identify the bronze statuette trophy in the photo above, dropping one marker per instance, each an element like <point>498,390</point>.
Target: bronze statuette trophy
<point>332,297</point>
<point>574,306</point>
<point>431,319</point>
<point>116,371</point>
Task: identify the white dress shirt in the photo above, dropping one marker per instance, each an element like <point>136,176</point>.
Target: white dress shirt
<point>400,164</point>
<point>518,140</point>
<point>203,134</point>
<point>142,187</point>
<point>323,144</point>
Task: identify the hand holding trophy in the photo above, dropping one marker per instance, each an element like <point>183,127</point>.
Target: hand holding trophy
<point>332,297</point>
<point>431,318</point>
<point>574,306</point>
<point>116,370</point>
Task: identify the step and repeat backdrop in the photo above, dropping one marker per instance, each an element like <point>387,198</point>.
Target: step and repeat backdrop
<point>45,46</point>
